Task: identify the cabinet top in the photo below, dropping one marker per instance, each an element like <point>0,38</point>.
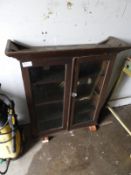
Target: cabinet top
<point>21,51</point>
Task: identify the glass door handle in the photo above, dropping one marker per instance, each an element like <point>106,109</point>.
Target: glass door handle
<point>74,94</point>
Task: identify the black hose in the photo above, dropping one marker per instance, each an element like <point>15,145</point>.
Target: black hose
<point>7,166</point>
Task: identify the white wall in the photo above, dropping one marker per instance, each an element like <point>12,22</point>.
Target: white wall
<point>122,91</point>
<point>53,22</point>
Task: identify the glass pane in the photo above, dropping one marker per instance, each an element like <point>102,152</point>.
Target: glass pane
<point>83,111</point>
<point>91,74</point>
<point>47,74</point>
<point>49,116</point>
<point>48,92</point>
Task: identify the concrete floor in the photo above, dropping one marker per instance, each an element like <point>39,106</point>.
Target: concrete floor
<point>80,152</point>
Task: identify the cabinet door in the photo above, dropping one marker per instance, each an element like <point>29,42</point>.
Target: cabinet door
<point>89,76</point>
<point>49,95</point>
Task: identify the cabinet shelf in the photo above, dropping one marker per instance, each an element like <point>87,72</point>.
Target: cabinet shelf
<point>50,115</point>
<point>85,105</point>
<point>86,79</point>
<point>57,78</point>
<point>87,86</point>
<point>83,111</point>
<point>84,108</point>
<point>49,102</point>
<point>85,91</point>
<point>48,93</point>
<point>49,111</point>
<point>89,69</point>
<point>83,117</point>
<point>49,125</point>
<point>46,75</point>
<point>56,117</point>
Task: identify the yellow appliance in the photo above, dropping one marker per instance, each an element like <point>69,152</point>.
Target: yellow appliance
<point>10,138</point>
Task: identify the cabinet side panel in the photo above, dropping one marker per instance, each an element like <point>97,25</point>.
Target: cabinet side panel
<point>27,86</point>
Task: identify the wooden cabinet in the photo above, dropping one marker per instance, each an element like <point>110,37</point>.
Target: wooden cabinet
<point>65,86</point>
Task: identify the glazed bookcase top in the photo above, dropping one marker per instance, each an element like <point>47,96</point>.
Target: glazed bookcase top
<point>19,50</point>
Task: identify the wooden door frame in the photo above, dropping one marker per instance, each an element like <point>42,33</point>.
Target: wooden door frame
<point>76,62</point>
<point>30,101</point>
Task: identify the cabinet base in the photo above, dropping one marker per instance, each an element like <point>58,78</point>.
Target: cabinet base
<point>92,128</point>
<point>45,139</point>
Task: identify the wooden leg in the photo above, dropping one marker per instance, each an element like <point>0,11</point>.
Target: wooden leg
<point>92,128</point>
<point>45,139</point>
